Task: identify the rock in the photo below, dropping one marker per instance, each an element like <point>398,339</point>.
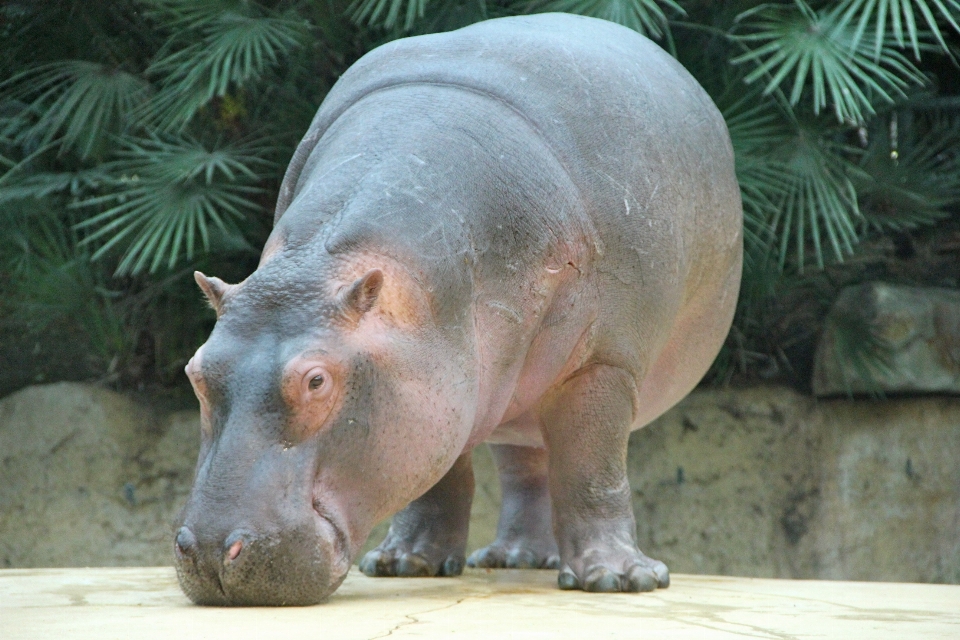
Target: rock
<point>756,482</point>
<point>83,481</point>
<point>888,338</point>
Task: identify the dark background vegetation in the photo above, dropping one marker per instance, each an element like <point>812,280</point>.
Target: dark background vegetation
<point>143,139</point>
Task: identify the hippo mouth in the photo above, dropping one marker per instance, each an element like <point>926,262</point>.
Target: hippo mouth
<point>329,529</point>
<point>299,566</point>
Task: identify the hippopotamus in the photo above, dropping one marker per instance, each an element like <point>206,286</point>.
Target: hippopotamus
<point>526,232</point>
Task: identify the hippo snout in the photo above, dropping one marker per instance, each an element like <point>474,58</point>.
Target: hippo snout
<point>187,549</point>
<point>244,568</point>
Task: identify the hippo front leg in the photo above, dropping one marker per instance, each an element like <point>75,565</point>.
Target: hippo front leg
<point>524,533</point>
<point>429,537</point>
<point>587,423</point>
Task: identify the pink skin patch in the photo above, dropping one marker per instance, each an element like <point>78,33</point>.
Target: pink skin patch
<point>234,550</point>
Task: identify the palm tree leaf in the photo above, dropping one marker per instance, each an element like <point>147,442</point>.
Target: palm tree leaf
<point>386,13</point>
<point>40,185</point>
<point>819,48</point>
<point>165,192</point>
<point>912,178</point>
<point>233,50</point>
<point>857,341</point>
<point>79,103</point>
<point>754,125</point>
<point>869,18</point>
<point>644,16</point>
<point>189,14</point>
<point>796,182</point>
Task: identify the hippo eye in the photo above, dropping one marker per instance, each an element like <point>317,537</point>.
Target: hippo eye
<point>316,382</point>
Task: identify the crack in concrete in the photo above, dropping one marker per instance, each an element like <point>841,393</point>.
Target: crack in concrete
<point>412,619</point>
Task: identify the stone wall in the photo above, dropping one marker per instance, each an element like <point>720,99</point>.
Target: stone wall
<point>90,478</point>
<point>765,482</point>
<point>757,482</point>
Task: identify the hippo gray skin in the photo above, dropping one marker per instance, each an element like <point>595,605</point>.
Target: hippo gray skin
<point>526,232</point>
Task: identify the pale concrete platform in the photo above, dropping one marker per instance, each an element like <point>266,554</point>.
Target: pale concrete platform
<point>146,603</point>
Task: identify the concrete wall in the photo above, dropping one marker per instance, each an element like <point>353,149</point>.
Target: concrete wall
<point>757,482</point>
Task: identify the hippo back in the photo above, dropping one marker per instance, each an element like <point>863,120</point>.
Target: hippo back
<point>641,140</point>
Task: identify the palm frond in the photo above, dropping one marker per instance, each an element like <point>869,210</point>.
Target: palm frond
<point>819,202</point>
<point>796,181</point>
<point>454,14</point>
<point>871,19</point>
<point>7,163</point>
<point>179,14</point>
<point>233,49</point>
<point>76,102</point>
<point>644,16</point>
<point>912,178</point>
<point>43,184</point>
<point>30,236</point>
<point>818,49</point>
<point>52,281</point>
<point>754,125</point>
<point>387,13</point>
<point>170,194</point>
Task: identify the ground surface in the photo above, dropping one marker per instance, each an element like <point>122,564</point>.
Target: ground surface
<point>146,603</point>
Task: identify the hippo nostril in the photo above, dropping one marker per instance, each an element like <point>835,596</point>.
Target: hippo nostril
<point>186,543</point>
<point>234,544</point>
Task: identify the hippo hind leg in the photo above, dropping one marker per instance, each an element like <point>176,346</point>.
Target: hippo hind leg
<point>588,420</point>
<point>429,537</point>
<point>524,534</point>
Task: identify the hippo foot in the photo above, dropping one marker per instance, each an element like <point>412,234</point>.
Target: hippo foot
<point>605,572</point>
<point>429,537</point>
<point>394,562</point>
<point>514,555</point>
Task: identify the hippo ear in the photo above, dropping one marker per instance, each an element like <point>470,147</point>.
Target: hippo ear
<point>213,288</point>
<point>359,297</point>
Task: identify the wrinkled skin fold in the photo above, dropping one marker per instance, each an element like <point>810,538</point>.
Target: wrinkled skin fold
<point>526,232</point>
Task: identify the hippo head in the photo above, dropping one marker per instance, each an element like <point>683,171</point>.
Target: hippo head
<point>326,406</point>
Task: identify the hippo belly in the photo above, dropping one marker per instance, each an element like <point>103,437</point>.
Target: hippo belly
<point>525,232</point>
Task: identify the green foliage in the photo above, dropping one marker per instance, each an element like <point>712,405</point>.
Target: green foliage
<point>645,16</point>
<point>795,182</point>
<point>388,12</point>
<point>824,54</point>
<point>911,170</point>
<point>214,51</point>
<point>818,201</point>
<point>166,194</point>
<point>76,103</point>
<point>871,19</point>
<point>53,283</point>
<point>140,139</point>
<point>147,139</point>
